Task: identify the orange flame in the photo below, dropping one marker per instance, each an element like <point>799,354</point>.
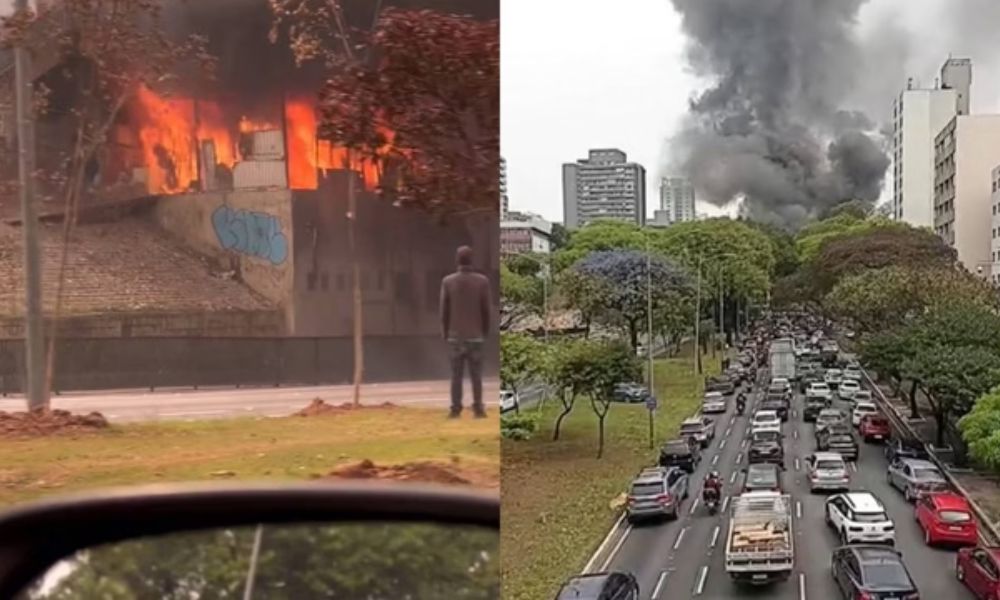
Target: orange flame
<point>173,129</point>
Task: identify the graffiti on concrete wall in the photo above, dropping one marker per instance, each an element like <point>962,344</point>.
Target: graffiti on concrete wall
<point>255,234</point>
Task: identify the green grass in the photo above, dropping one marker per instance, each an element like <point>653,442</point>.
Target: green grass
<point>558,497</point>
<point>292,448</point>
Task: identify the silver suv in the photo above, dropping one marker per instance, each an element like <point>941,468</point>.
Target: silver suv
<point>657,492</point>
<point>914,476</point>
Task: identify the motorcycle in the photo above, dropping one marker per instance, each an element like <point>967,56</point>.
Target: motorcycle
<point>740,409</point>
<point>710,496</point>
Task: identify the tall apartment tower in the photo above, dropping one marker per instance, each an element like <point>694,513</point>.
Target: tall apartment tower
<point>603,186</point>
<point>504,200</point>
<point>677,199</point>
<point>918,115</point>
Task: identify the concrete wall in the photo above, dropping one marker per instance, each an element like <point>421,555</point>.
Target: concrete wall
<point>977,153</point>
<point>250,231</point>
<point>148,325</point>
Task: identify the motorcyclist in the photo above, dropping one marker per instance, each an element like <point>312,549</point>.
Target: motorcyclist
<point>741,403</point>
<point>712,487</point>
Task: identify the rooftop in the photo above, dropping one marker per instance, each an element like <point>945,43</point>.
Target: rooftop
<point>128,266</point>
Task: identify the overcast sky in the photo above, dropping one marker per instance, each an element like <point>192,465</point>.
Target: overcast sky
<point>580,74</point>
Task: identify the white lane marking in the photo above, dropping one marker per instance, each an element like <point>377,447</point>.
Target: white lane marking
<point>715,537</point>
<point>680,538</point>
<point>617,547</point>
<point>722,444</point>
<point>715,459</point>
<point>728,431</point>
<point>694,506</point>
<point>725,503</point>
<point>854,466</point>
<point>795,434</point>
<point>732,419</point>
<point>796,464</point>
<point>732,478</point>
<point>739,457</point>
<point>701,581</point>
<point>659,584</point>
<point>607,539</point>
<point>744,443</point>
<point>798,510</point>
<point>802,586</point>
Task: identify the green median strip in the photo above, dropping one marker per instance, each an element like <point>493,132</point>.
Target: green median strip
<point>558,498</point>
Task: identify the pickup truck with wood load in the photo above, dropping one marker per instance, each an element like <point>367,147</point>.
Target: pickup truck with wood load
<point>760,546</point>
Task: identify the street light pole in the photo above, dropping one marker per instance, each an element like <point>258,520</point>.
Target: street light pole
<point>649,334</point>
<point>34,335</point>
<point>722,309</point>
<point>697,323</point>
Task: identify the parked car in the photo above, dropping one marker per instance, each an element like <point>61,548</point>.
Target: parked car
<point>720,383</point>
<point>657,492</point>
<point>766,447</point>
<point>827,471</point>
<point>600,586</point>
<point>860,517</point>
<point>979,569</point>
<point>833,377</point>
<point>847,389</point>
<point>874,428</point>
<point>838,438</point>
<point>765,420</point>
<point>509,400</point>
<point>900,447</point>
<point>713,403</point>
<point>914,476</point>
<point>860,410</point>
<point>829,416</point>
<point>946,518</point>
<point>862,571</point>
<point>762,477</point>
<point>680,453</point>
<point>631,393</point>
<point>700,428</point>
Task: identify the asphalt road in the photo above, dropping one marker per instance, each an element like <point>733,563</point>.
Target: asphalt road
<point>685,558</point>
<point>188,404</point>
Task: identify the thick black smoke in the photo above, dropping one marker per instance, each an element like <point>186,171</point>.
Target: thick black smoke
<point>771,130</point>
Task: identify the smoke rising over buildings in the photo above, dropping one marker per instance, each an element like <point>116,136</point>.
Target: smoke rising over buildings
<point>772,128</point>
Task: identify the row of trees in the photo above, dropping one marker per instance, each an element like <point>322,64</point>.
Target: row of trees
<point>921,318</point>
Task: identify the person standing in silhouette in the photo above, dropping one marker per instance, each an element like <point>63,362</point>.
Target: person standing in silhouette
<point>466,305</point>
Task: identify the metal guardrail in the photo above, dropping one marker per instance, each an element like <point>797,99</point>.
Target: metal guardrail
<point>988,532</point>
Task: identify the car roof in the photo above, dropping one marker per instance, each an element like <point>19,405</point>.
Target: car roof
<point>714,395</point>
<point>828,456</point>
<point>850,382</point>
<point>692,421</point>
<point>949,501</point>
<point>767,413</point>
<point>831,411</point>
<point>864,502</point>
<point>875,553</point>
<point>649,477</point>
<point>762,467</point>
<point>585,585</point>
<point>918,463</point>
<point>865,404</point>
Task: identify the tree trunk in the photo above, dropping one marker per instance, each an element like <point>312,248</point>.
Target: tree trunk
<point>633,334</point>
<point>567,408</point>
<point>940,416</point>
<point>914,409</point>
<point>359,357</point>
<point>600,435</point>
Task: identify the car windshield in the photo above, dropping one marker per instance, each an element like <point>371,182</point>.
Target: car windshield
<point>879,422</point>
<point>691,428</point>
<point>647,488</point>
<point>873,517</point>
<point>583,588</point>
<point>677,447</point>
<point>955,516</point>
<point>885,574</point>
<point>762,477</point>
<point>927,474</point>
<point>766,436</point>
<point>829,464</point>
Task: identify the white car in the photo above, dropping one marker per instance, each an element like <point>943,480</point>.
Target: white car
<point>819,389</point>
<point>827,471</point>
<point>765,420</point>
<point>862,396</point>
<point>860,410</point>
<point>860,518</point>
<point>782,382</point>
<point>714,402</point>
<point>848,388</point>
<point>852,374</point>
<point>833,377</point>
<point>509,401</point>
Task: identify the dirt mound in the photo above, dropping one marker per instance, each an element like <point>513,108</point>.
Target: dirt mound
<point>40,422</point>
<point>425,472</point>
<point>319,407</point>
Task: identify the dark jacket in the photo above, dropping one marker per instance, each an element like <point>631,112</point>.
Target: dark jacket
<point>466,305</point>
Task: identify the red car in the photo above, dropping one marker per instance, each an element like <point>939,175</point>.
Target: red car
<point>874,427</point>
<point>946,518</point>
<point>979,569</point>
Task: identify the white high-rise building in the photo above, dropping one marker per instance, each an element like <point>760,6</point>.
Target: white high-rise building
<point>603,186</point>
<point>966,152</point>
<point>504,200</point>
<point>677,199</point>
<point>918,115</point>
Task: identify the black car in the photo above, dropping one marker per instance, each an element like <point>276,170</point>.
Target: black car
<point>720,383</point>
<point>776,402</point>
<point>766,447</point>
<point>631,393</point>
<point>899,447</point>
<point>872,571</point>
<point>600,586</point>
<point>762,477</point>
<point>680,453</point>
<point>807,380</point>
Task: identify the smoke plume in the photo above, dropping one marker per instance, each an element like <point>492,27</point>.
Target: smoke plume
<point>772,129</point>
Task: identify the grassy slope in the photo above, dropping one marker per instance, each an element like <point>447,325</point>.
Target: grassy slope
<point>287,448</point>
<point>557,496</point>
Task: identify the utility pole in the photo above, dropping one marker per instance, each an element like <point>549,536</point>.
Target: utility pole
<point>697,323</point>
<point>34,335</point>
<point>722,309</point>
<point>649,334</point>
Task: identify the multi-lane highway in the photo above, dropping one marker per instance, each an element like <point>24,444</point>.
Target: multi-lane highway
<point>685,558</point>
